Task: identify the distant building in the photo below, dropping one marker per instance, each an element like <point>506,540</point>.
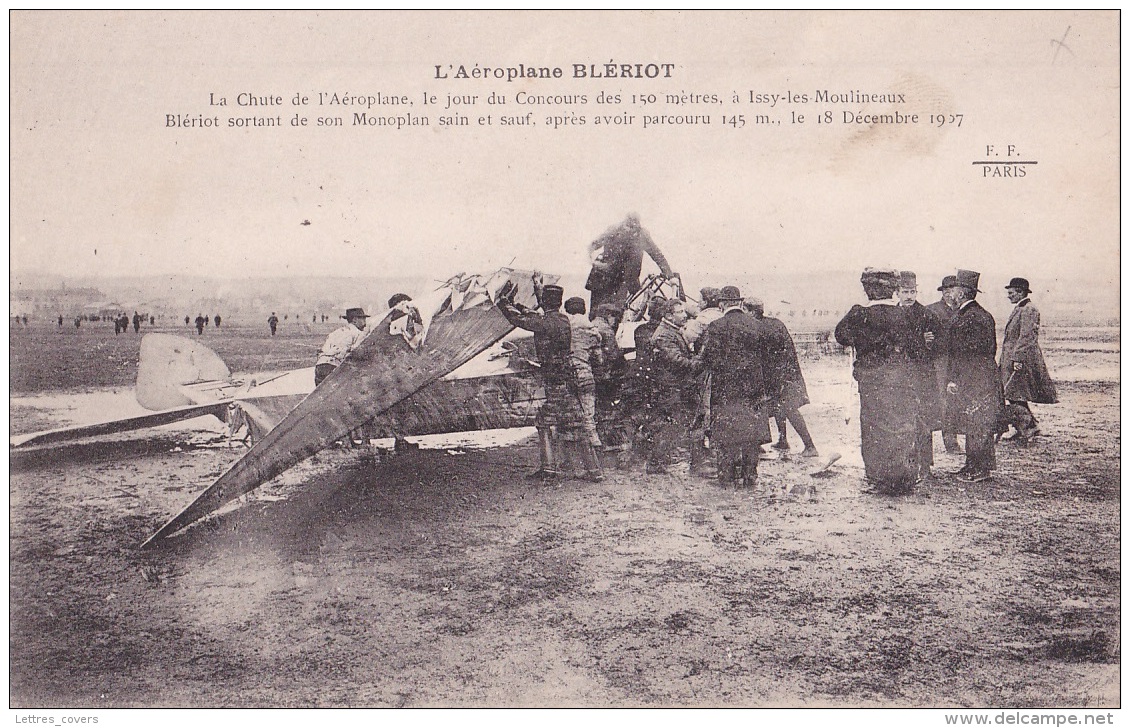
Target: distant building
<point>52,302</point>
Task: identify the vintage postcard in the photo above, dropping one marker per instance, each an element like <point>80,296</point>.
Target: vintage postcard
<point>565,359</point>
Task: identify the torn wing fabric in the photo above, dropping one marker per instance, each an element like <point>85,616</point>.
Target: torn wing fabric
<point>381,372</point>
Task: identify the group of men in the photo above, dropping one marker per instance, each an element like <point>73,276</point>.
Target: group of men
<point>926,368</point>
<point>710,377</point>
<point>715,373</point>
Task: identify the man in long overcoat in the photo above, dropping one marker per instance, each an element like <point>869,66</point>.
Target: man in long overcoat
<point>733,351</point>
<point>1023,373</point>
<point>973,387</point>
<point>945,310</point>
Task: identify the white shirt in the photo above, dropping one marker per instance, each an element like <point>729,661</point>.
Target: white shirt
<point>339,343</point>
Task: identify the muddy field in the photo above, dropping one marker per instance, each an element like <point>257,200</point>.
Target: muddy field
<point>443,578</point>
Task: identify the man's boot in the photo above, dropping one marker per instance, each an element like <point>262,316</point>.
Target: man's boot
<point>1025,422</point>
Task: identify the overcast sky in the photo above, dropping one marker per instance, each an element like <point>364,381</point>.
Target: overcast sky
<point>100,185</point>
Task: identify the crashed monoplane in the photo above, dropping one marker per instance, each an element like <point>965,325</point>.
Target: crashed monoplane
<point>467,370</point>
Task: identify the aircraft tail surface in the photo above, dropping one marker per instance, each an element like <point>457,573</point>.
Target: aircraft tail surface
<point>458,321</point>
<point>166,362</point>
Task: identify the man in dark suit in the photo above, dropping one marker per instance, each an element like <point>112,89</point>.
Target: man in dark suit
<point>944,309</point>
<point>733,351</point>
<point>617,259</point>
<point>925,328</point>
<point>973,388</point>
<point>1023,373</point>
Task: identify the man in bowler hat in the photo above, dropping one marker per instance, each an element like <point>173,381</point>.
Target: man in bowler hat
<point>1023,373</point>
<point>733,351</point>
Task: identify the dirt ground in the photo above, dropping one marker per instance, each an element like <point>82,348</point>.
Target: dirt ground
<point>442,577</point>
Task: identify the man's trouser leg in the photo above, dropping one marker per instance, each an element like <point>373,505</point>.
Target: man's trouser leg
<point>700,456</point>
<point>796,419</point>
<point>925,448</point>
<point>587,395</point>
<point>979,456</point>
<point>660,443</point>
<point>546,452</point>
<point>750,454</point>
<point>782,419</point>
<point>729,463</point>
<point>590,461</point>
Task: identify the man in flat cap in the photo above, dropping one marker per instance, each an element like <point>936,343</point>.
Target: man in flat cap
<point>703,317</point>
<point>925,329</point>
<point>340,342</point>
<point>944,309</point>
<point>1023,373</point>
<point>560,421</point>
<point>584,354</point>
<point>733,351</point>
<point>973,386</point>
<point>674,397</point>
<point>617,258</point>
<point>609,373</point>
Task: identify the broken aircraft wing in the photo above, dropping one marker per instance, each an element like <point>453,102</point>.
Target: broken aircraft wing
<point>164,417</point>
<point>459,320</point>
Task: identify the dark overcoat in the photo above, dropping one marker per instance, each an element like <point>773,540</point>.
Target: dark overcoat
<point>1031,382</point>
<point>734,349</point>
<point>783,364</point>
<point>971,365</point>
<point>674,369</point>
<point>922,321</point>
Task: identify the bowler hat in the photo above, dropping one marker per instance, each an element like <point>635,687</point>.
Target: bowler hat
<point>355,313</point>
<point>968,279</point>
<point>730,293</point>
<point>948,282</point>
<point>551,296</point>
<point>1019,284</point>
